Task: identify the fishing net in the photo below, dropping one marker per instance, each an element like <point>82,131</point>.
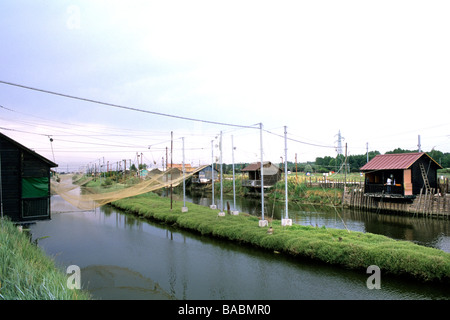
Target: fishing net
<point>87,198</point>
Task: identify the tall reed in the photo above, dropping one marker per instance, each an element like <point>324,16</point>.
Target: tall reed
<point>26,273</point>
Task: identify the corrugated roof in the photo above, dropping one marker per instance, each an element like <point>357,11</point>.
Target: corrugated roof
<point>394,161</point>
<point>269,167</point>
<point>256,166</point>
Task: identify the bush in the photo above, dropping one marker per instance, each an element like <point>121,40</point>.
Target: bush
<point>107,182</point>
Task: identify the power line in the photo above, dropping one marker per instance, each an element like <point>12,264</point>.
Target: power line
<point>16,130</point>
<point>307,143</point>
<point>81,142</point>
<point>134,133</point>
<point>123,107</point>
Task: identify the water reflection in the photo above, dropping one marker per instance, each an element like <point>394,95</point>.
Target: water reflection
<point>113,282</point>
<point>124,257</point>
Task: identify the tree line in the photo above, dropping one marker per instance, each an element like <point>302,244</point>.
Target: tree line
<point>336,164</point>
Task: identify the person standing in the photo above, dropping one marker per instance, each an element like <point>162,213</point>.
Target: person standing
<point>388,185</point>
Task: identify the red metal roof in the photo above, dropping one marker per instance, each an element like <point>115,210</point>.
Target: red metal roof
<point>393,161</point>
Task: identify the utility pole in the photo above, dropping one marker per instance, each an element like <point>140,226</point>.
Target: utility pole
<point>345,175</point>
<point>235,212</point>
<point>167,170</point>
<point>262,222</point>
<point>367,151</point>
<point>339,146</point>
<point>212,206</point>
<point>286,221</point>
<point>171,168</point>
<point>221,213</point>
<point>124,169</point>
<point>184,209</point>
<point>138,171</point>
<point>339,141</point>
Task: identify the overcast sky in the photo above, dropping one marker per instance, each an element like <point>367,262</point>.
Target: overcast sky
<point>377,71</point>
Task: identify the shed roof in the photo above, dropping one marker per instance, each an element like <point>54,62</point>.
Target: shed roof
<point>269,167</point>
<point>396,161</point>
<point>208,168</point>
<point>51,164</point>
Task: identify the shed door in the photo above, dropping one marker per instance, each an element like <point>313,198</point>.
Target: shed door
<point>407,182</point>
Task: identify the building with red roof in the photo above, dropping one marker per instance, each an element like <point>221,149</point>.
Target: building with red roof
<point>401,174</point>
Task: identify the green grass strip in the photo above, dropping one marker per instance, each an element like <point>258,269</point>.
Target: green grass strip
<point>26,273</point>
<point>354,250</point>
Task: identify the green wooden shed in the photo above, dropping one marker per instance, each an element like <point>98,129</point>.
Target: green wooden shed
<point>24,182</point>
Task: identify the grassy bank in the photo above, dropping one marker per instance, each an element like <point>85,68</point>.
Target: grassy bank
<point>354,250</point>
<point>26,273</point>
<point>302,193</point>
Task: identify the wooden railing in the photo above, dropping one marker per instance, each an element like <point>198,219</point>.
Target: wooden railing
<point>381,188</point>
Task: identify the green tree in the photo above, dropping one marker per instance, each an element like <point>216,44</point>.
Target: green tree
<point>308,168</point>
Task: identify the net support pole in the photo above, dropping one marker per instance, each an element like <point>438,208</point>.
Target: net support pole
<point>286,221</point>
<point>262,222</point>
<point>221,213</point>
<point>212,206</point>
<point>184,208</point>
<point>234,212</point>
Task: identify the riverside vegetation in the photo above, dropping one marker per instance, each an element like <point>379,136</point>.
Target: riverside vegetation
<point>298,191</point>
<point>26,273</point>
<point>354,250</point>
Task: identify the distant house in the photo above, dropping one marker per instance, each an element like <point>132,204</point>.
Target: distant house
<point>408,174</point>
<point>271,172</point>
<point>187,167</point>
<point>175,171</point>
<point>143,173</point>
<point>154,173</point>
<point>205,175</point>
<point>24,182</point>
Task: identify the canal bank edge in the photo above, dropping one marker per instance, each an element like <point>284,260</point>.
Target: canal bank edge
<point>353,250</point>
<point>27,273</point>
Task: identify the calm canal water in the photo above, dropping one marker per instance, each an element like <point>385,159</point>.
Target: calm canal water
<point>425,231</point>
<point>123,257</point>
